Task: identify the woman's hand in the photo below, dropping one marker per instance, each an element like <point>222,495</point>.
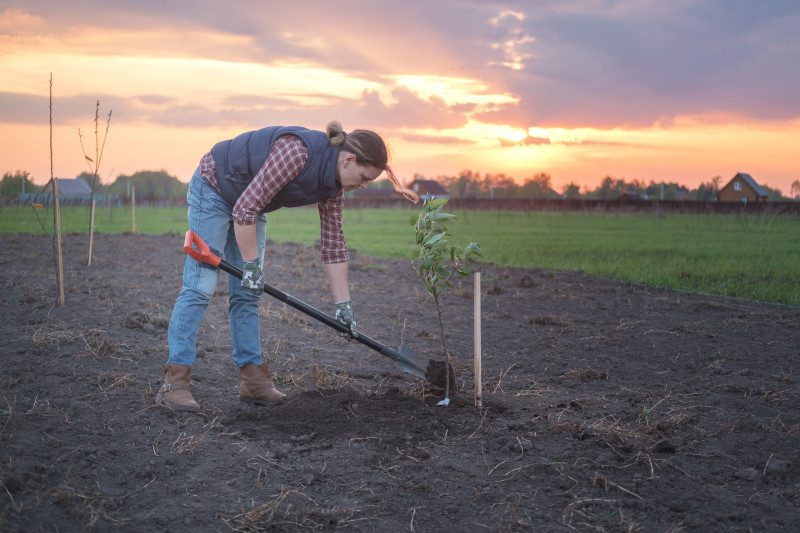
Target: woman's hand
<point>252,278</point>
<point>344,314</point>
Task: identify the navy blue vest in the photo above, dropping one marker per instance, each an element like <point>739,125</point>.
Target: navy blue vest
<point>239,159</point>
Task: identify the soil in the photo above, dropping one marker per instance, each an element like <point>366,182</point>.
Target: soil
<point>607,406</point>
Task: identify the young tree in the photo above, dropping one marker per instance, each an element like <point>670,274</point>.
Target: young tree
<point>436,261</point>
<point>94,164</point>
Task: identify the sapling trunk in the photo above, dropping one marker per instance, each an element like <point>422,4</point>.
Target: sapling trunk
<point>444,346</point>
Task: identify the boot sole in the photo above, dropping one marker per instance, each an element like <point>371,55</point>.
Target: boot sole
<point>254,402</point>
<point>163,401</point>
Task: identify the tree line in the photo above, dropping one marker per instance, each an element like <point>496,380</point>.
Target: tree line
<point>469,184</point>
<point>149,186</point>
<point>160,186</point>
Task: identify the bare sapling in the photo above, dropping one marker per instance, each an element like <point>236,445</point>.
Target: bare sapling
<point>94,166</point>
<point>436,261</point>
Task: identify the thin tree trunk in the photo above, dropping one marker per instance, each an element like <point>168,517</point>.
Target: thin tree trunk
<point>444,345</point>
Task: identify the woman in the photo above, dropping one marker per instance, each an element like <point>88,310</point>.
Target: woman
<point>236,184</point>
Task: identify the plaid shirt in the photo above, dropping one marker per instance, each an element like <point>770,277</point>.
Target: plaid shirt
<point>286,159</point>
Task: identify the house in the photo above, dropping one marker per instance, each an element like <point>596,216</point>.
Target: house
<point>430,189</point>
<point>72,187</point>
<point>71,191</point>
<point>742,188</point>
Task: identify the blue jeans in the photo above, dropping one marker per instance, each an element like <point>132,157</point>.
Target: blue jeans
<point>210,219</point>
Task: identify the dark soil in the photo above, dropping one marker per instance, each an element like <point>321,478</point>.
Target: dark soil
<point>607,406</point>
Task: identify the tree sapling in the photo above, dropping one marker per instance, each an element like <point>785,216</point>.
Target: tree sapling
<point>436,262</point>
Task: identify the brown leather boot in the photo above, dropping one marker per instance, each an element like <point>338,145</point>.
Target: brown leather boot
<point>176,392</point>
<point>256,386</point>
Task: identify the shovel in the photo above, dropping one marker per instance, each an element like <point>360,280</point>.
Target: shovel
<point>404,356</point>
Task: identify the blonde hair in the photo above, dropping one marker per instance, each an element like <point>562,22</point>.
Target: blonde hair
<point>370,150</point>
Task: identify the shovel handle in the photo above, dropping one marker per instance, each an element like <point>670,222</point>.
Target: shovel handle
<point>203,254</point>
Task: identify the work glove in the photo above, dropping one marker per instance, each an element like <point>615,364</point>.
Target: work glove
<point>252,278</point>
<point>344,314</point>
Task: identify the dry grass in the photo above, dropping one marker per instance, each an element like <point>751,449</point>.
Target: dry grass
<point>90,503</point>
<point>287,510</point>
<point>584,374</point>
<point>188,443</point>
<point>115,380</point>
<point>48,338</point>
<point>43,409</point>
<point>325,378</point>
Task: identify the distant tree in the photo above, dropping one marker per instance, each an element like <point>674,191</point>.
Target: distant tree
<point>775,195</point>
<point>796,189</point>
<point>12,184</point>
<point>466,185</point>
<point>609,189</point>
<point>571,191</point>
<point>150,186</point>
<point>499,186</point>
<point>670,190</point>
<point>537,186</point>
<point>706,192</point>
<point>88,177</point>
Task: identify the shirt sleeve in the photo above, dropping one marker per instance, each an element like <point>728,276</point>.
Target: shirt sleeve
<point>332,244</point>
<point>286,159</point>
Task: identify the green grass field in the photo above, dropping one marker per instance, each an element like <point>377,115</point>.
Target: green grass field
<point>755,257</point>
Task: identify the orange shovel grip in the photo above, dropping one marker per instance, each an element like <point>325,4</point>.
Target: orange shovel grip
<point>202,253</point>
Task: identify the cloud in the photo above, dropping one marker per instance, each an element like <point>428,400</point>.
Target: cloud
<point>634,63</point>
<point>432,139</point>
<point>80,110</point>
<point>567,63</point>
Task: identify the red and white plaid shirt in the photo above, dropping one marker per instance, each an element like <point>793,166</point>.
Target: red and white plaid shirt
<point>286,159</point>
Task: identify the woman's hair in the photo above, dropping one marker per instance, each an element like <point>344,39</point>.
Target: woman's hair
<point>370,150</point>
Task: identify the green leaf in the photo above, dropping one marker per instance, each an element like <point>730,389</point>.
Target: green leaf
<point>438,203</point>
<point>431,239</point>
<point>441,216</point>
<point>473,248</point>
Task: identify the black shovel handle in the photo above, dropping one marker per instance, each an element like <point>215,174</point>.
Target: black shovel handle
<point>202,253</point>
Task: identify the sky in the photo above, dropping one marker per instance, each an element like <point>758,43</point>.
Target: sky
<point>674,91</point>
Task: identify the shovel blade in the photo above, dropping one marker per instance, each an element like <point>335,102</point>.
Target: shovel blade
<point>409,363</point>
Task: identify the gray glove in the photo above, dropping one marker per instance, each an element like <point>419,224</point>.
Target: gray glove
<point>344,314</point>
<point>252,278</point>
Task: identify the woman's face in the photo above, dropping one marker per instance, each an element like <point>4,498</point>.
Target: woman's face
<point>351,175</point>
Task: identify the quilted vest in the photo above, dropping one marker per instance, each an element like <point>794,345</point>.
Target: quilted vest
<point>239,159</point>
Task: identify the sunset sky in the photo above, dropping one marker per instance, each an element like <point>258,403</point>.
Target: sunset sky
<point>678,90</point>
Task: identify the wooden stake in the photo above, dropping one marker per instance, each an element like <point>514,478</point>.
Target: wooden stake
<point>477,335</point>
<point>133,207</point>
<point>58,240</point>
<point>91,232</point>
